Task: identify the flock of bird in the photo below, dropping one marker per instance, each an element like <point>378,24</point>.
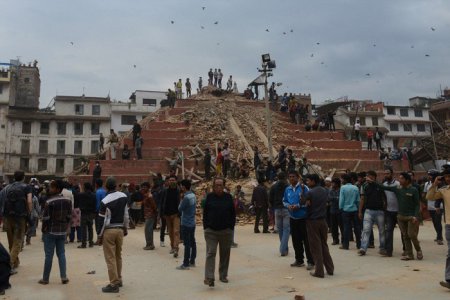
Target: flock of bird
<point>285,33</point>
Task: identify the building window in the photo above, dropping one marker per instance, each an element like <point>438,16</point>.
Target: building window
<point>43,147</point>
<point>61,128</point>
<point>77,162</point>
<point>374,121</point>
<point>61,147</point>
<point>79,109</point>
<point>45,127</point>
<point>149,102</point>
<point>128,120</point>
<point>95,128</point>
<point>78,147</point>
<point>26,127</point>
<point>25,164</point>
<point>78,128</point>
<point>59,166</point>
<point>25,146</point>
<point>95,110</point>
<point>42,164</point>
<point>418,113</point>
<point>94,146</point>
<point>393,127</point>
<point>407,127</point>
<point>404,112</point>
<point>421,127</point>
<point>362,121</point>
<point>391,110</point>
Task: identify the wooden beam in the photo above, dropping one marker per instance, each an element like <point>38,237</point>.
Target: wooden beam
<point>260,134</point>
<point>240,134</point>
<point>189,172</point>
<point>357,165</point>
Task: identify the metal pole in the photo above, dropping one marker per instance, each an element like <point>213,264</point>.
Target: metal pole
<point>268,114</point>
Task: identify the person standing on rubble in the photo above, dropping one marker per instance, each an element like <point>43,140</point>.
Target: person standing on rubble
<point>210,77</point>
<point>216,75</point>
<point>137,129</point>
<point>226,159</point>
<point>219,162</point>
<point>219,79</point>
<point>179,89</point>
<point>200,84</point>
<point>188,88</point>
<point>230,84</point>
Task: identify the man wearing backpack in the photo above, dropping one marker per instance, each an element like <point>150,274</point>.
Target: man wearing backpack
<point>16,211</point>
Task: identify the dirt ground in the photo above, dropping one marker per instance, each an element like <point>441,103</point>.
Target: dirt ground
<point>256,272</point>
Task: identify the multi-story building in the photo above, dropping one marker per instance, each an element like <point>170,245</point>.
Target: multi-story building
<point>54,141</point>
<point>403,126</point>
<point>140,104</point>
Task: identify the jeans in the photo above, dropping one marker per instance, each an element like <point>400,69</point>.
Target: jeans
<point>52,242</point>
<point>300,241</point>
<point>190,246</point>
<point>447,262</point>
<point>390,219</point>
<point>76,229</point>
<point>282,221</point>
<point>349,218</point>
<point>373,216</point>
<point>149,232</point>
<point>437,223</point>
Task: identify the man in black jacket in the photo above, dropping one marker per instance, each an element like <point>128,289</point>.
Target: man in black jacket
<point>136,130</point>
<point>282,220</point>
<point>86,202</point>
<point>260,201</point>
<point>169,209</point>
<point>219,218</point>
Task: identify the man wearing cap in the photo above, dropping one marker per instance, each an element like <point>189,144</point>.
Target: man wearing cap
<point>114,214</point>
<point>435,193</point>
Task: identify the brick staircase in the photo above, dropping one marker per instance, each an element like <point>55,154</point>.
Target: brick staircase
<point>329,150</point>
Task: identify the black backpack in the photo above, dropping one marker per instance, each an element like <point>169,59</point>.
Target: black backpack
<point>16,200</point>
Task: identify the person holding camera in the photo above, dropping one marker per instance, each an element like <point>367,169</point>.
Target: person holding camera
<point>435,193</point>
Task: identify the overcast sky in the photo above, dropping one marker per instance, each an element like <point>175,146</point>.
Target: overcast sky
<point>362,49</point>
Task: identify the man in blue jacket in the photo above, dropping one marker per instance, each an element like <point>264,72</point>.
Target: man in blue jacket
<point>349,203</point>
<point>297,213</point>
<point>187,211</point>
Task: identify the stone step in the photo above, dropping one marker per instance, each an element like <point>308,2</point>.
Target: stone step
<point>342,154</point>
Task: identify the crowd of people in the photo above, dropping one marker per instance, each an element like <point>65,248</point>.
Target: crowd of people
<point>301,206</point>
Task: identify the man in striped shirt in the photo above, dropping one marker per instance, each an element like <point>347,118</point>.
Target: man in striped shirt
<point>114,214</point>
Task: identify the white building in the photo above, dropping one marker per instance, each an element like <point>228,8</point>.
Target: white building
<point>402,126</point>
<point>54,142</point>
<point>140,105</point>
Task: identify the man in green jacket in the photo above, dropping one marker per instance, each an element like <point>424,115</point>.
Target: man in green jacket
<point>408,214</point>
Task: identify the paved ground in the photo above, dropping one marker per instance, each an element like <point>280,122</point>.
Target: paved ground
<point>256,272</point>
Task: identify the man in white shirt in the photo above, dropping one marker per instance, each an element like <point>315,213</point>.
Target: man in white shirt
<point>390,217</point>
<point>357,128</point>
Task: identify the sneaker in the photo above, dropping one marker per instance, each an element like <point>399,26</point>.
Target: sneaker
<point>192,265</point>
<point>224,280</point>
<point>182,267</point>
<point>91,244</point>
<point>64,280</point>
<point>372,246</point>
<point>335,243</point>
<point>383,252</point>
<point>309,267</point>
<point>419,255</point>
<point>445,284</point>
<point>440,242</point>
<point>110,289</point>
<point>257,231</point>
<point>149,248</point>
<point>172,251</point>
<point>13,271</point>
<point>297,264</point>
<point>407,257</point>
<point>82,246</point>
<point>175,253</point>
<point>361,252</point>
<point>234,245</point>
<point>161,244</point>
<point>343,248</point>
<point>43,282</point>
